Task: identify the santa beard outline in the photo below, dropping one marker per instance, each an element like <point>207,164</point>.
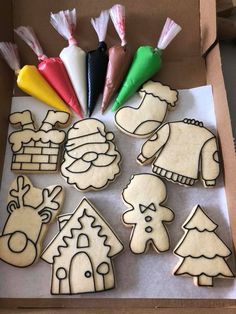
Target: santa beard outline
<point>92,170</point>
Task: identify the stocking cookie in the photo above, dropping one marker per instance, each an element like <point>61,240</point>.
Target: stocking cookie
<point>81,253</point>
<point>146,194</point>
<point>180,150</point>
<point>37,150</point>
<point>91,160</point>
<point>31,210</point>
<point>202,253</point>
<point>156,100</point>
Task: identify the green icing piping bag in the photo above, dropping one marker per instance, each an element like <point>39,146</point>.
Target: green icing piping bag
<point>146,63</point>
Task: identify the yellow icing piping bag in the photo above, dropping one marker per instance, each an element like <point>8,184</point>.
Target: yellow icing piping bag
<point>30,80</point>
<point>52,69</point>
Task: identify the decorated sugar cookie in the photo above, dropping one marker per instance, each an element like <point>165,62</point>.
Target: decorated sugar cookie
<point>145,195</point>
<point>91,159</point>
<point>31,211</point>
<point>81,253</point>
<point>37,150</point>
<point>156,100</point>
<point>180,150</point>
<point>202,253</point>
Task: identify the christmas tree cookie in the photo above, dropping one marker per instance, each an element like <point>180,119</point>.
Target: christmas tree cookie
<point>145,194</point>
<point>203,254</point>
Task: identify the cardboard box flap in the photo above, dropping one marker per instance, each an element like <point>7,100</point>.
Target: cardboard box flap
<point>215,77</point>
<point>208,25</point>
<point>143,28</point>
<point>6,77</point>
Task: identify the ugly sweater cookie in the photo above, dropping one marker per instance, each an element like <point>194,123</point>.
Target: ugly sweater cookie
<point>180,150</point>
<point>145,195</point>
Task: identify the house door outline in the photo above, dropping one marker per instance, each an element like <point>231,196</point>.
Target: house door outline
<point>81,275</point>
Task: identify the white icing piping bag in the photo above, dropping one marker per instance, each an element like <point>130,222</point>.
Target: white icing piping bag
<point>73,57</point>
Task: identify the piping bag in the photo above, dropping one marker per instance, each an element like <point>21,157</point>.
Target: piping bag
<point>146,63</point>
<point>73,57</point>
<point>119,57</point>
<point>97,61</point>
<point>52,69</point>
<point>30,80</point>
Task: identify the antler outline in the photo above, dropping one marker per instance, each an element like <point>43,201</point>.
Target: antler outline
<point>49,199</point>
<point>20,191</point>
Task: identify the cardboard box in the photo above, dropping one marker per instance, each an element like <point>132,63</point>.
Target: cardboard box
<point>192,60</point>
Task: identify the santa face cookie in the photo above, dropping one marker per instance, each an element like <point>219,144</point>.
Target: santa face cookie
<point>91,160</point>
<point>202,253</point>
<point>180,150</point>
<point>156,100</point>
<point>37,150</point>
<point>81,253</point>
<point>146,194</point>
<point>31,210</point>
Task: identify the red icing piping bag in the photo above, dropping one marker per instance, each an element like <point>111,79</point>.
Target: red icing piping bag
<point>52,69</point>
<point>30,80</point>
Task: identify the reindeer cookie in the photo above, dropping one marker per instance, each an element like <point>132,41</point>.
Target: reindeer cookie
<point>37,150</point>
<point>202,253</point>
<point>156,100</point>
<point>31,210</point>
<point>146,194</point>
<point>91,160</point>
<point>82,252</point>
<point>180,151</point>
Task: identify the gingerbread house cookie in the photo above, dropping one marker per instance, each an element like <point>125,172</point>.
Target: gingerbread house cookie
<point>81,253</point>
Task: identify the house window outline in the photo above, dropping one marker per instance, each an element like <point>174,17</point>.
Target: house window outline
<point>82,241</point>
<point>61,273</point>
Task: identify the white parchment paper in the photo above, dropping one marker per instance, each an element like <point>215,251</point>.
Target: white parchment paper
<point>138,276</point>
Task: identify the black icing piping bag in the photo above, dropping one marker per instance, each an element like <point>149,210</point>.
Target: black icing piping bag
<point>97,61</point>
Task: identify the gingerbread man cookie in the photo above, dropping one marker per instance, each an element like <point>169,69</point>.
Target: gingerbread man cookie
<point>156,100</point>
<point>31,210</point>
<point>37,150</point>
<point>81,253</point>
<point>202,253</point>
<point>91,159</point>
<point>180,150</point>
<point>146,194</point>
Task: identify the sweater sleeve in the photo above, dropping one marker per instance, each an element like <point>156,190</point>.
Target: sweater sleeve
<point>153,145</point>
<point>210,162</point>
